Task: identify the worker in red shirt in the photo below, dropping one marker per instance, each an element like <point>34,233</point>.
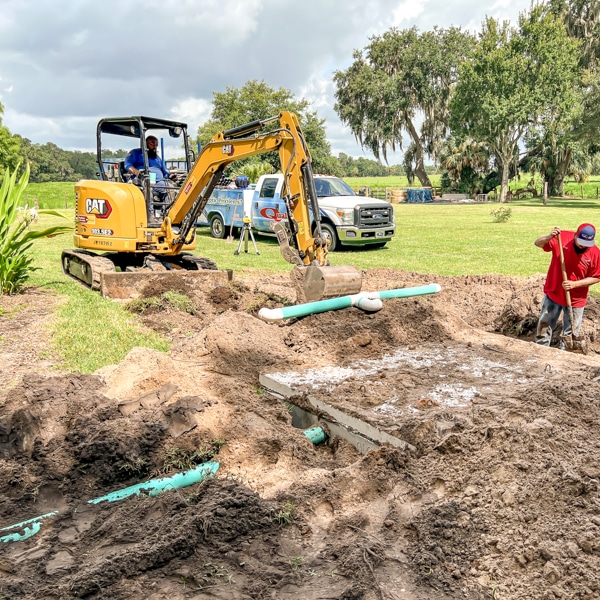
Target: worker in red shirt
<point>582,265</point>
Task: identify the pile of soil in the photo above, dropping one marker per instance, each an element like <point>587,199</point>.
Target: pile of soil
<point>497,496</point>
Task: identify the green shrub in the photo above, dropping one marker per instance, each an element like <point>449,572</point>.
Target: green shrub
<point>16,235</point>
<point>502,214</point>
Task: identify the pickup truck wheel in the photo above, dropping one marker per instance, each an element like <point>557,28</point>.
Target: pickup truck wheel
<point>330,234</point>
<point>217,227</point>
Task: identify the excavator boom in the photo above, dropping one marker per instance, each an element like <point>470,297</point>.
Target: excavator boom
<point>246,141</point>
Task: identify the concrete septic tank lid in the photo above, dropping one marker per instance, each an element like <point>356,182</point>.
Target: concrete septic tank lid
<point>401,384</point>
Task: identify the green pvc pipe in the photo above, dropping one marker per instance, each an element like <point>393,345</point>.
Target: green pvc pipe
<point>316,435</point>
<point>369,301</point>
<point>154,487</point>
<point>24,525</point>
<point>361,300</point>
<point>422,290</point>
<point>19,537</point>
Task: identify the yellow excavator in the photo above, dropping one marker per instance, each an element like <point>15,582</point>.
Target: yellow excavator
<point>116,230</point>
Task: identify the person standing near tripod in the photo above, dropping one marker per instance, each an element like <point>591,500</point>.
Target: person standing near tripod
<point>582,267</point>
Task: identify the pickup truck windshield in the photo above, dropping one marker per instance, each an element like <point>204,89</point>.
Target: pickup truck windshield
<point>332,186</point>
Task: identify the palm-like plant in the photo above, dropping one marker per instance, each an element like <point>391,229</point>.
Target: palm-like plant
<point>16,235</point>
<point>466,163</point>
<point>254,169</point>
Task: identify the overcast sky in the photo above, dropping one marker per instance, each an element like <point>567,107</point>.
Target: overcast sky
<point>65,64</point>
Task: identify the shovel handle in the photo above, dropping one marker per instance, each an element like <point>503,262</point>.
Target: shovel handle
<point>565,278</point>
<point>564,271</point>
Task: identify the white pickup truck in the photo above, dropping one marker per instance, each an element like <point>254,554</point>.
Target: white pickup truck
<point>346,219</point>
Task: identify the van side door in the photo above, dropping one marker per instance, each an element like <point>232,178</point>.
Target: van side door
<point>268,206</point>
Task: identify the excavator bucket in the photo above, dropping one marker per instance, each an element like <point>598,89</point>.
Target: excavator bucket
<point>315,283</point>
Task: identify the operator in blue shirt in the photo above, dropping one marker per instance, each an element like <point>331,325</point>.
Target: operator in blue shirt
<point>163,188</point>
<point>134,161</point>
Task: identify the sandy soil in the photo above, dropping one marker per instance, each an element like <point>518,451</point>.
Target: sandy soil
<point>497,496</point>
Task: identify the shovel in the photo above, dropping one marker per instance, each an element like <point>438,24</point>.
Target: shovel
<point>230,236</point>
<point>573,343</point>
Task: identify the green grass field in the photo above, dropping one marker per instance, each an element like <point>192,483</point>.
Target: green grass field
<point>435,239</point>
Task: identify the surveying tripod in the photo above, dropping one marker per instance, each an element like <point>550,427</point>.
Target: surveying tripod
<point>246,234</point>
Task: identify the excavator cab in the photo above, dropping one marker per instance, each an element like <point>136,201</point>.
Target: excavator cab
<point>157,198</point>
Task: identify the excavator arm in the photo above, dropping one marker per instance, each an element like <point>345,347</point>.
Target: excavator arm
<point>226,147</point>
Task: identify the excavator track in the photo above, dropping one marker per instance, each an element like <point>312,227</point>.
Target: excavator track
<point>86,267</point>
<point>192,262</point>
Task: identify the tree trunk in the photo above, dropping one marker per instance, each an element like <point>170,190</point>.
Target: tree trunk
<point>505,156</point>
<point>419,168</point>
<point>503,180</point>
<point>556,182</point>
<point>421,173</point>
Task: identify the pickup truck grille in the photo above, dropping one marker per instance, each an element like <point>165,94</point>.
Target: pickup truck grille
<point>375,216</point>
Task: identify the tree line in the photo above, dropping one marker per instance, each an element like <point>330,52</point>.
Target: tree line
<point>47,162</point>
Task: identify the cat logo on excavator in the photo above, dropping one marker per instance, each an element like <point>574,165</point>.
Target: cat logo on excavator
<point>99,207</point>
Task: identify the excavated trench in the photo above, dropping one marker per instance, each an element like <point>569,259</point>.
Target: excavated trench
<point>397,386</point>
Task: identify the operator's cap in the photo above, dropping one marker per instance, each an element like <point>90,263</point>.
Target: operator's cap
<point>585,235</point>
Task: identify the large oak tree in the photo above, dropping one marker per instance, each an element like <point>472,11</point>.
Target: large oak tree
<point>399,87</point>
<point>517,79</point>
<point>257,100</point>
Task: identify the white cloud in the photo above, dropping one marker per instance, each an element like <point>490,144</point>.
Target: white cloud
<point>407,11</point>
<point>193,111</point>
<point>64,64</point>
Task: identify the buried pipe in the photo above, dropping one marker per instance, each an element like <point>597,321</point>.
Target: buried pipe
<point>368,301</point>
<point>316,435</point>
<point>154,487</point>
<point>29,528</point>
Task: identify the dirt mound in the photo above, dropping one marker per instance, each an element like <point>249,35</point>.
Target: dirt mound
<point>498,497</point>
